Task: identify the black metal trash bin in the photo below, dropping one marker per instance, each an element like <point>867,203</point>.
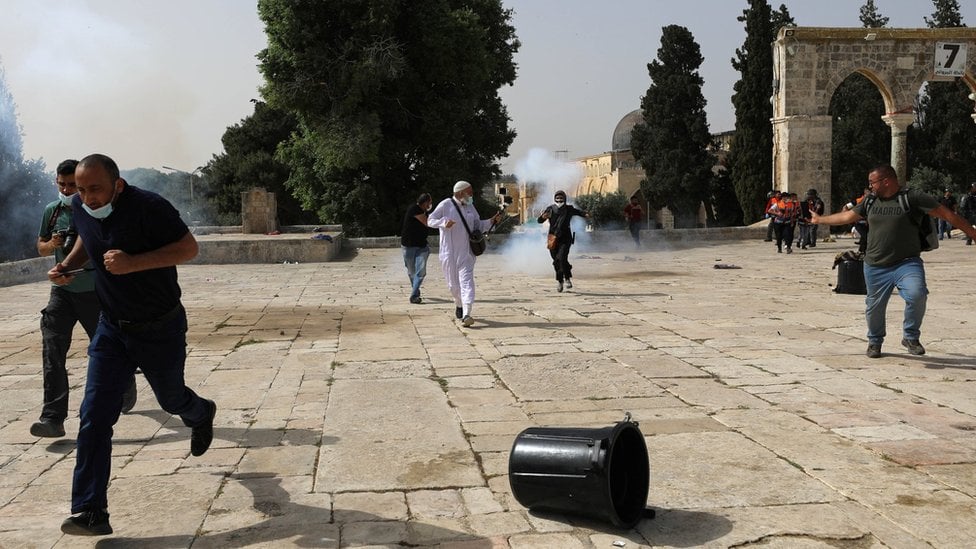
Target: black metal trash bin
<point>850,278</point>
<point>601,473</point>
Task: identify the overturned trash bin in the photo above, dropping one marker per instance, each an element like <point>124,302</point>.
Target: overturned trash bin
<point>600,473</point>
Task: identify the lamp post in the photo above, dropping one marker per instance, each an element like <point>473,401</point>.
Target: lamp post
<point>190,174</point>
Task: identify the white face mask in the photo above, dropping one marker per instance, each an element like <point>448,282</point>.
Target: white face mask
<point>65,200</point>
<point>102,212</point>
<point>560,203</point>
<point>466,200</point>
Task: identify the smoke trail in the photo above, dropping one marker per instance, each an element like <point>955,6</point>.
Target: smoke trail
<point>24,187</point>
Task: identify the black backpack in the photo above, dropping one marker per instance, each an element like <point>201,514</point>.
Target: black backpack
<point>928,233</point>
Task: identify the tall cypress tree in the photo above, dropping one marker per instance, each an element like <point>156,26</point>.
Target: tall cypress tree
<point>672,142</point>
<point>945,131</point>
<point>860,140</point>
<point>751,151</point>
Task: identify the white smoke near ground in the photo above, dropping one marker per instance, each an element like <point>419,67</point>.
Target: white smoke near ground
<point>540,174</point>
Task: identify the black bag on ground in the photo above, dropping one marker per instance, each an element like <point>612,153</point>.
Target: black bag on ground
<point>850,277</point>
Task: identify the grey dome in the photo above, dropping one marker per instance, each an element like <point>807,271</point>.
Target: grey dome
<point>621,134</point>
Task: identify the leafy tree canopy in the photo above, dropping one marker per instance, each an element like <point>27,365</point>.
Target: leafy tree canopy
<point>249,161</point>
<point>671,143</point>
<point>391,99</point>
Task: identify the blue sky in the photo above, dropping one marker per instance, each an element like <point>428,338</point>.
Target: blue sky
<point>154,83</point>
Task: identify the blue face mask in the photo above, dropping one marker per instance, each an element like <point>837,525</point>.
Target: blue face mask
<point>102,212</point>
<point>65,200</point>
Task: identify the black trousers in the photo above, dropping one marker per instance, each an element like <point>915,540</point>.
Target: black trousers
<point>560,261</point>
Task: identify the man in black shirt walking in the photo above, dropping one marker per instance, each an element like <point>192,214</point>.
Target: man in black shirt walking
<point>413,242</point>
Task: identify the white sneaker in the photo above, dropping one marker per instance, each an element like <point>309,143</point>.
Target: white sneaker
<point>467,321</point>
<point>569,283</point>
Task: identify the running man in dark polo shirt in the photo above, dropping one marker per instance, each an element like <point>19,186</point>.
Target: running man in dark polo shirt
<point>135,239</point>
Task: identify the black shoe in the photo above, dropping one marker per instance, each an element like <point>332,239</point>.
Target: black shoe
<point>416,299</point>
<point>89,523</point>
<point>767,240</point>
<point>874,351</point>
<point>47,428</point>
<point>913,346</point>
<point>202,434</point>
<point>459,313</point>
<point>129,398</point>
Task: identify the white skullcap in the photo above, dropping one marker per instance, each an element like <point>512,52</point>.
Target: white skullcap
<point>461,185</point>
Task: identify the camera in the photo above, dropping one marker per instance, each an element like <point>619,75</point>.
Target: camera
<point>69,238</point>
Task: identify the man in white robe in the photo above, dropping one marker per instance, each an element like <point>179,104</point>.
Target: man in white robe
<point>457,261</point>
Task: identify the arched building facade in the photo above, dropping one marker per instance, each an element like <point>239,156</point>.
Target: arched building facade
<point>809,63</point>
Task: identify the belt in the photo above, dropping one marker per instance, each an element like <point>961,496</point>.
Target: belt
<point>145,325</point>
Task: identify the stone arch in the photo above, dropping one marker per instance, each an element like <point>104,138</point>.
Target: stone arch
<point>808,65</point>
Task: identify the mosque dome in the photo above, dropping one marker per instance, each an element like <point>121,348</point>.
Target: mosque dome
<point>621,134</point>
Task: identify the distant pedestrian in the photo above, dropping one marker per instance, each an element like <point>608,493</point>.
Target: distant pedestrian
<point>808,231</point>
<point>634,215</point>
<point>772,197</point>
<point>967,209</point>
<point>413,243</point>
<point>72,303</point>
<point>561,237</point>
<point>949,202</point>
<point>454,251</point>
<point>893,259</point>
<point>135,239</point>
<point>784,213</point>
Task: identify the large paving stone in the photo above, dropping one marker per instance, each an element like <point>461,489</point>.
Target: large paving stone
<point>569,375</point>
<point>412,441</point>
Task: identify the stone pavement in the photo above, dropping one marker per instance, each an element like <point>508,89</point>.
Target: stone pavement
<point>350,418</point>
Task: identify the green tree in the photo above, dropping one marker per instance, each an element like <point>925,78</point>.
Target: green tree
<point>249,161</point>
<point>870,17</point>
<point>728,213</point>
<point>751,150</point>
<point>860,138</point>
<point>671,143</point>
<point>391,99</point>
<point>606,209</point>
<point>25,188</point>
<point>943,135</point>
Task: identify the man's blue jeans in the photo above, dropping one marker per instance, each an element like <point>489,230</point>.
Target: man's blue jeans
<point>114,355</point>
<point>909,277</point>
<point>415,260</point>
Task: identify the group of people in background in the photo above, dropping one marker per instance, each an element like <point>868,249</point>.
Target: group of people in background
<point>790,218</point>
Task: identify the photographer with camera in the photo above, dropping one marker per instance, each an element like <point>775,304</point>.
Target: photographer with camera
<point>68,304</point>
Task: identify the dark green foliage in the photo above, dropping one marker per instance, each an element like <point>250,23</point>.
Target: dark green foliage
<point>870,17</point>
<point>24,187</point>
<point>944,133</point>
<point>606,210</point>
<point>930,181</point>
<point>391,98</point>
<point>727,212</point>
<point>672,142</point>
<point>751,151</point>
<point>249,161</point>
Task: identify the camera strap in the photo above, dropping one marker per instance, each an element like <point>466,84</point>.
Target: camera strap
<point>54,217</point>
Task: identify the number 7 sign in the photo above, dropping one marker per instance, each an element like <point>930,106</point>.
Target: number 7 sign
<point>950,59</point>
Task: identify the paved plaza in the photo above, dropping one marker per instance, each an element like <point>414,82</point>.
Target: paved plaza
<point>348,417</point>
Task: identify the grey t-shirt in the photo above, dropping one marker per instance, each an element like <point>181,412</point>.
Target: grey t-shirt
<point>894,236</point>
